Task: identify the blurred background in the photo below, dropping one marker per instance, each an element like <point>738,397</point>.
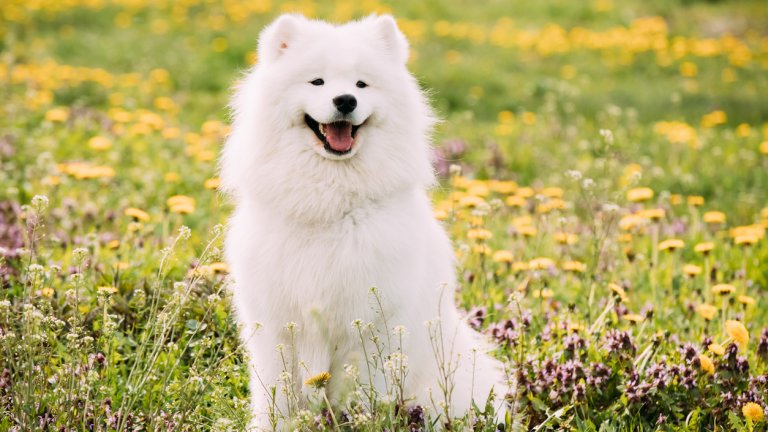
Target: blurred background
<point>613,189</point>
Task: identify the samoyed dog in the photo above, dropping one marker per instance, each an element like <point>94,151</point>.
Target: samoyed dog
<point>339,267</point>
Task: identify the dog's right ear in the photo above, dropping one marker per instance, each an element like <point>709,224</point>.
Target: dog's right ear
<point>278,36</point>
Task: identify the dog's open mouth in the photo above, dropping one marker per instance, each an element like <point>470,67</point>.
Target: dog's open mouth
<point>338,137</point>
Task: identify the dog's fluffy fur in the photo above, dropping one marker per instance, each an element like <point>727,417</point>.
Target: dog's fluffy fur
<point>314,230</point>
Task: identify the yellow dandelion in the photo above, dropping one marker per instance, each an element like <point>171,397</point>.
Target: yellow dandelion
<point>764,147</point>
<point>47,292</point>
<point>671,244</point>
<point>695,201</point>
<point>640,194</point>
<point>520,266</point>
<point>716,348</point>
<point>183,208</point>
<point>218,267</point>
<point>653,214</point>
<point>714,217</point>
<point>545,293</point>
<point>707,311</point>
<point>706,364</point>
<point>99,143</point>
<point>171,177</point>
<point>746,240</point>
<point>481,249</point>
<point>746,300</point>
<point>479,234</point>
<point>704,248</point>
<point>737,332</point>
<point>552,192</point>
<point>633,318</point>
<point>541,263</point>
<point>137,214</point>
<point>525,192</point>
<point>516,201</point>
<point>675,199</point>
<point>502,256</point>
<point>318,381</point>
<point>502,186</point>
<point>723,289</point>
<point>619,291</point>
<point>57,115</point>
<point>526,230</point>
<point>212,183</point>
<point>574,266</point>
<point>691,270</point>
<point>113,244</point>
<point>752,411</point>
<point>471,201</point>
<point>566,238</point>
<point>632,221</point>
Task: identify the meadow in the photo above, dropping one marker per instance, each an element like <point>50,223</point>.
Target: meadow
<point>604,177</point>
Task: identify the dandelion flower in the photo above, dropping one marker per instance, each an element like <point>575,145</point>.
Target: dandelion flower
<point>764,147</point>
<point>318,381</point>
<point>706,364</point>
<point>99,143</point>
<point>752,411</point>
<point>691,270</point>
<point>653,214</point>
<point>619,291</point>
<point>479,234</point>
<point>212,183</point>
<point>746,240</point>
<point>218,267</point>
<point>671,244</point>
<point>633,318</point>
<point>716,348</point>
<point>541,263</point>
<point>723,289</point>
<point>552,192</point>
<point>566,238</point>
<point>57,115</point>
<point>574,266</point>
<point>704,248</point>
<point>47,292</point>
<point>707,311</point>
<point>714,217</point>
<point>471,201</point>
<point>746,300</point>
<point>181,204</point>
<point>136,214</point>
<point>737,332</point>
<point>502,256</point>
<point>640,194</point>
<point>516,201</point>
<point>695,201</point>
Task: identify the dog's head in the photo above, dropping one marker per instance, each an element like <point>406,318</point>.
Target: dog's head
<point>332,103</point>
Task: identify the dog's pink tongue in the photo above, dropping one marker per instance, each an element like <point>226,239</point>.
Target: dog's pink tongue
<point>339,136</point>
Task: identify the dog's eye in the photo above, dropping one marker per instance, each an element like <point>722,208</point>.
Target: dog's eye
<point>317,82</point>
<point>361,84</point>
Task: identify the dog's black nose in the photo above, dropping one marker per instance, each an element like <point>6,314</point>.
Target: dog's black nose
<point>345,103</point>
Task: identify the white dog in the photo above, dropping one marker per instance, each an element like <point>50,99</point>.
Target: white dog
<point>329,163</point>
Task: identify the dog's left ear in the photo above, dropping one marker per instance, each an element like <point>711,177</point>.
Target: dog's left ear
<point>278,36</point>
<point>394,40</point>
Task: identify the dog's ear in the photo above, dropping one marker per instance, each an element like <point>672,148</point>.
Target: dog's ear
<point>278,36</point>
<point>394,40</point>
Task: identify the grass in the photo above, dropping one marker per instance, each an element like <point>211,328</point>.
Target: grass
<point>557,115</point>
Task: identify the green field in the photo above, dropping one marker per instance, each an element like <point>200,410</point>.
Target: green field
<point>604,171</point>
